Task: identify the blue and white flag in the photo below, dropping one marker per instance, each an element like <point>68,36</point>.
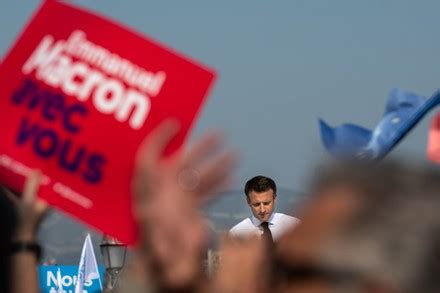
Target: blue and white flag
<point>88,268</point>
<point>64,281</point>
<point>402,112</point>
<point>59,282</point>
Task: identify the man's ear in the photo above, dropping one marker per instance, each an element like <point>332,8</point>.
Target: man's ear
<point>248,200</point>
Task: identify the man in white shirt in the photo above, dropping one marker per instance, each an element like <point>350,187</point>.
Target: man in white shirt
<point>261,197</point>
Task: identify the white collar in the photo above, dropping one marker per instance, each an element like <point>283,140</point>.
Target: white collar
<point>257,222</point>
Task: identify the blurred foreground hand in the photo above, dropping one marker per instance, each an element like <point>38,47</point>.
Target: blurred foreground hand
<point>243,267</point>
<point>30,209</point>
<point>168,193</point>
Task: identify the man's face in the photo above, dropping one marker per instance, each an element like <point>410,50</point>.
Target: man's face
<point>262,204</point>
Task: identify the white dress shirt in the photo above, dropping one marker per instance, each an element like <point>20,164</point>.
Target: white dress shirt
<point>278,224</point>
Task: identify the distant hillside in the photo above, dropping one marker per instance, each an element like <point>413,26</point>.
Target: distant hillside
<point>62,237</point>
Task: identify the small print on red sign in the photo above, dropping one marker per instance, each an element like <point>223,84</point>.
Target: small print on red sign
<point>79,93</point>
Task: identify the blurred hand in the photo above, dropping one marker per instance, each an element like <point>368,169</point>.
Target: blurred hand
<point>243,267</point>
<point>168,193</point>
<point>30,212</point>
<point>30,209</point>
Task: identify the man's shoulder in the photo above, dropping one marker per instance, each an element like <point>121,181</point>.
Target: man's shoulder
<point>286,219</point>
<point>243,225</point>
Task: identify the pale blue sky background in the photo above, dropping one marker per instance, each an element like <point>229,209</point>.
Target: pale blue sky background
<point>283,64</point>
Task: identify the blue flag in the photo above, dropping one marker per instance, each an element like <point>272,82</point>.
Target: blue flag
<point>402,112</point>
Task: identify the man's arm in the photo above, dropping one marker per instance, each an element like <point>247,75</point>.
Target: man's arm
<point>24,260</point>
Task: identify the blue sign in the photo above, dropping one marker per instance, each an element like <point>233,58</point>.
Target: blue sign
<point>48,278</point>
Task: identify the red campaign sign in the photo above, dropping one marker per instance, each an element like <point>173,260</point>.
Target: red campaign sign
<point>79,93</point>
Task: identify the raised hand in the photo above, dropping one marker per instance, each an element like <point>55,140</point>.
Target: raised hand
<point>30,212</point>
<point>30,209</point>
<point>168,193</point>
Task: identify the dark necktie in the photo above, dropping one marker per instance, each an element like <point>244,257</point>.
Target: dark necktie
<point>267,235</point>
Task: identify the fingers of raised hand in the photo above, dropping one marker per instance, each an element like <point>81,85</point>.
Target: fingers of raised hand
<point>216,173</point>
<point>203,147</point>
<point>207,165</point>
<point>149,154</point>
<point>31,186</point>
<point>155,143</point>
<point>30,192</point>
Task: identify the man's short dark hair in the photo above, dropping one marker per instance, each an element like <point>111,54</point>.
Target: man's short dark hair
<point>260,184</point>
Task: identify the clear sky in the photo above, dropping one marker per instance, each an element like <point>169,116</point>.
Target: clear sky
<point>283,64</point>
